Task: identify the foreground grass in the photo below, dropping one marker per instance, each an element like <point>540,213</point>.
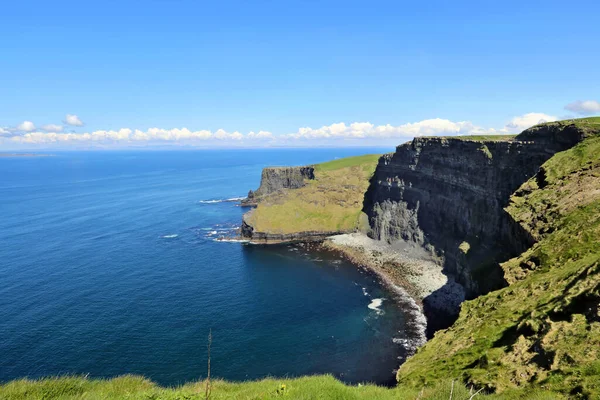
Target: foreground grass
<point>330,202</point>
<point>544,329</point>
<point>315,387</point>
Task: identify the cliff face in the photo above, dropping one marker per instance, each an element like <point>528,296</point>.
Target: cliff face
<point>274,179</point>
<point>449,194</point>
<point>543,330</point>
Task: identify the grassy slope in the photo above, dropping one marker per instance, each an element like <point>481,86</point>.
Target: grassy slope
<point>315,387</point>
<point>484,138</point>
<point>544,329</point>
<point>330,202</point>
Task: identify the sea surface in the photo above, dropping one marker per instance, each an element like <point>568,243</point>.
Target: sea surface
<point>109,265</point>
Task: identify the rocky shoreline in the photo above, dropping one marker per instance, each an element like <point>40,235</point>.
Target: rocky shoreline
<point>409,271</point>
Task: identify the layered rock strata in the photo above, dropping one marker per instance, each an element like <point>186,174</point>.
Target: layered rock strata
<point>274,179</point>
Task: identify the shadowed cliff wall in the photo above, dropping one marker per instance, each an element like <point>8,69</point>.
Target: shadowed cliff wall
<point>449,194</point>
<point>276,178</point>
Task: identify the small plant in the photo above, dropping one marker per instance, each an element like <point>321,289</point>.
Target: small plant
<point>282,390</point>
<point>208,385</point>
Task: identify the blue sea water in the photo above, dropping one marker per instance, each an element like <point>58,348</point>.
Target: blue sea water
<point>108,266</point>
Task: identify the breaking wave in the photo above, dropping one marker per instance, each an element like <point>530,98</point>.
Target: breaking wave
<point>215,201</point>
<point>375,304</point>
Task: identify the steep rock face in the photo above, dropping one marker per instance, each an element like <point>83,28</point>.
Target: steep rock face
<point>543,330</point>
<point>277,178</point>
<point>449,194</point>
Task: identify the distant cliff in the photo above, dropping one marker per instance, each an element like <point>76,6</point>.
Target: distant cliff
<point>274,179</point>
<point>308,203</point>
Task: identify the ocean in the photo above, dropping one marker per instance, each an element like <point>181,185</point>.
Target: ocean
<point>109,266</point>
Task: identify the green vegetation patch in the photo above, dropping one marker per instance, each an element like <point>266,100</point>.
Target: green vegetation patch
<point>331,202</point>
<point>589,123</point>
<point>367,162</point>
<point>484,138</point>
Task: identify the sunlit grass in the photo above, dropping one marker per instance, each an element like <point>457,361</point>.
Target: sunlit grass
<point>332,202</point>
<point>306,388</point>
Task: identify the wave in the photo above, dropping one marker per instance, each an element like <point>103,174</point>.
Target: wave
<point>215,201</point>
<point>375,304</point>
<point>231,240</point>
<point>174,235</point>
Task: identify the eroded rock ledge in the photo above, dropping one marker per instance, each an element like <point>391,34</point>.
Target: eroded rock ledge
<point>274,179</point>
<point>247,231</point>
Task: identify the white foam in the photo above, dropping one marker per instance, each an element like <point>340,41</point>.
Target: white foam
<point>231,240</point>
<point>375,304</point>
<point>170,236</point>
<point>365,291</point>
<point>214,201</point>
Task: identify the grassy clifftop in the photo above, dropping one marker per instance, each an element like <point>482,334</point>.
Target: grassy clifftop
<point>330,202</point>
<point>306,388</point>
<point>544,329</point>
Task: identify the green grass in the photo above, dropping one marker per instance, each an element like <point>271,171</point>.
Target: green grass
<point>306,388</point>
<point>332,202</point>
<point>582,122</point>
<point>587,125</point>
<point>483,138</point>
<point>542,331</point>
<point>366,161</point>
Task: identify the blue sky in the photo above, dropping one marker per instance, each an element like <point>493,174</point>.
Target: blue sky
<point>293,70</point>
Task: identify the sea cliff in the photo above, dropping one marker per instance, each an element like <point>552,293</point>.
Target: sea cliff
<point>543,329</point>
<point>308,203</point>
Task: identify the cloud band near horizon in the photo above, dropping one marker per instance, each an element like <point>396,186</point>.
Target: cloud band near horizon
<point>350,133</point>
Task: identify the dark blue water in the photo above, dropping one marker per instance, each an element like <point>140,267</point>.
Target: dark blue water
<point>108,265</point>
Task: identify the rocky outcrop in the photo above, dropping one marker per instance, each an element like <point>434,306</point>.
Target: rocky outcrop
<point>274,179</point>
<point>247,232</point>
<point>449,194</point>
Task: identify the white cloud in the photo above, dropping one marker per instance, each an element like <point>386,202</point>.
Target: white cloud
<point>337,134</point>
<point>154,135</point>
<point>26,126</point>
<point>73,120</point>
<point>260,135</point>
<point>4,131</point>
<point>585,107</point>
<point>520,123</point>
<point>359,130</point>
<point>52,128</point>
